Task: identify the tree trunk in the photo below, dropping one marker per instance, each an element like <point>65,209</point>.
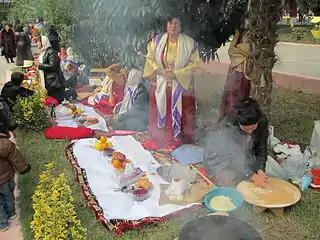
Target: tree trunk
<point>263,17</point>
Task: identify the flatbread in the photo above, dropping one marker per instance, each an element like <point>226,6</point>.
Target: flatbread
<point>278,195</point>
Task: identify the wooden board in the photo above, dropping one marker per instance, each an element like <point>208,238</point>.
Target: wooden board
<point>196,194</point>
<point>279,194</point>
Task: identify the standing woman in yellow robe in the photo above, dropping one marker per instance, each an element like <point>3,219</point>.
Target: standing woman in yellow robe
<point>237,86</point>
<point>170,63</point>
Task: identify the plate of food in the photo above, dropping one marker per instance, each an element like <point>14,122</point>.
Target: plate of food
<point>92,121</point>
<point>223,199</point>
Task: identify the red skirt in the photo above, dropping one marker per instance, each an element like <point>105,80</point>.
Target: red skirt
<point>237,87</point>
<point>162,138</point>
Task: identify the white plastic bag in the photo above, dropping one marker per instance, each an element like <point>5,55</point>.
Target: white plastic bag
<point>273,169</point>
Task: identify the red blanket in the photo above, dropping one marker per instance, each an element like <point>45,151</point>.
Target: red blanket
<point>68,133</point>
<point>105,108</point>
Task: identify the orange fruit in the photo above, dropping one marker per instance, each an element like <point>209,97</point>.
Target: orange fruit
<point>116,164</point>
<point>103,139</point>
<point>104,145</point>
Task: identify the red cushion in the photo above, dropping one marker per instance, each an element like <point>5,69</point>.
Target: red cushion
<point>68,133</point>
<point>50,101</point>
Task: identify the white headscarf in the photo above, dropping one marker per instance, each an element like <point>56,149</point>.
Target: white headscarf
<point>131,89</point>
<point>45,45</point>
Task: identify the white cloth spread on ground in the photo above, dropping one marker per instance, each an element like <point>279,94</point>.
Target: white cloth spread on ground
<point>103,179</point>
<point>90,112</point>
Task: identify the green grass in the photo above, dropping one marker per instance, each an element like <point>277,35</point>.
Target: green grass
<point>293,114</point>
<point>286,36</point>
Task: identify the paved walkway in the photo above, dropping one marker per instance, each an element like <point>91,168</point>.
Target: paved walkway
<point>295,59</point>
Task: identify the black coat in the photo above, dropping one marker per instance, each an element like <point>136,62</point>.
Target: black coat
<point>23,48</point>
<point>7,122</point>
<point>54,79</point>
<point>10,93</point>
<point>8,43</point>
<point>137,119</point>
<point>52,72</point>
<point>230,147</point>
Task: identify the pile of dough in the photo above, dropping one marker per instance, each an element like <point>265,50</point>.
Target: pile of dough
<point>222,203</point>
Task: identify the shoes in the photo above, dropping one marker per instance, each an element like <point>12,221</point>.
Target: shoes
<point>12,61</point>
<point>8,61</point>
<point>13,217</point>
<point>4,227</point>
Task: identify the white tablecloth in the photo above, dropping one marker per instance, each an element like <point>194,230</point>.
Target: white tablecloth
<point>90,112</point>
<point>103,179</point>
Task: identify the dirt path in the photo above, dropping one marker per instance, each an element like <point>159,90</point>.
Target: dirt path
<point>14,232</point>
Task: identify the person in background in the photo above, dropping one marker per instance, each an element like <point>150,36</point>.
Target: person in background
<point>238,149</point>
<point>51,76</point>
<point>62,54</point>
<point>13,89</point>
<point>111,90</point>
<point>16,23</point>
<point>38,23</point>
<point>8,43</point>
<point>70,72</point>
<point>28,29</point>
<point>237,85</point>
<point>23,43</point>
<point>134,109</point>
<point>172,95</point>
<point>11,161</point>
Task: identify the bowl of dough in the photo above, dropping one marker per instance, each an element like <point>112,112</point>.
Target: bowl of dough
<point>223,199</point>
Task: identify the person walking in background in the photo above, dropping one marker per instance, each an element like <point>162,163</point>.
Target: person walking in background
<point>16,24</point>
<point>8,43</point>
<point>23,43</point>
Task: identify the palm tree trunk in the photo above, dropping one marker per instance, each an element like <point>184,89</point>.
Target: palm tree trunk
<point>263,16</point>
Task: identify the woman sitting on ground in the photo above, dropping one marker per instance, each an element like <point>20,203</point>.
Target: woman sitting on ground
<point>13,89</point>
<point>51,76</point>
<point>238,149</point>
<point>110,92</point>
<point>134,109</point>
<point>70,72</point>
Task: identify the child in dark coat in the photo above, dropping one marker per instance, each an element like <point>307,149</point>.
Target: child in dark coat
<point>11,161</point>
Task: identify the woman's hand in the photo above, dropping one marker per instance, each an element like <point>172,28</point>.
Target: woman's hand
<point>36,63</point>
<point>260,179</point>
<point>170,74</point>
